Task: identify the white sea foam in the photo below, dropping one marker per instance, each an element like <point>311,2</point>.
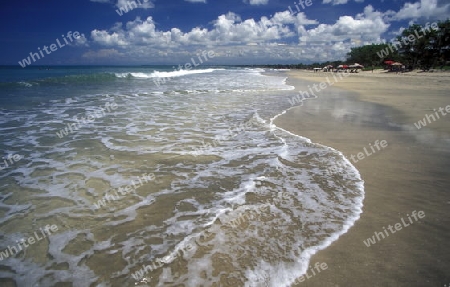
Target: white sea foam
<point>260,193</point>
<point>159,74</point>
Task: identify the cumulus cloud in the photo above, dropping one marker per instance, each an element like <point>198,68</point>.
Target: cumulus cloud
<point>283,36</point>
<point>256,2</point>
<point>143,4</point>
<point>339,2</point>
<point>140,38</point>
<point>367,27</point>
<point>106,39</point>
<point>333,41</point>
<point>428,9</point>
<point>81,41</point>
<point>335,2</point>
<point>227,29</point>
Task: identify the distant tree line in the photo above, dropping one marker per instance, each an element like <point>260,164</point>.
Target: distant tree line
<point>297,66</point>
<point>418,46</point>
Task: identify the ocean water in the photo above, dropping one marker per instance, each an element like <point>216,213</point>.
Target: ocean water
<point>156,177</point>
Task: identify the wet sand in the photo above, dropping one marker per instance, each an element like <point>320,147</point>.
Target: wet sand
<point>411,174</point>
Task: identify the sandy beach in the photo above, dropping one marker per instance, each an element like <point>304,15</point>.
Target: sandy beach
<point>410,174</point>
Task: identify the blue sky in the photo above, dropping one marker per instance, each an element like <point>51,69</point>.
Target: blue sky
<point>174,31</point>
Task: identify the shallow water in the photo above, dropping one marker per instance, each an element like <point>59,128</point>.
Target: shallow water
<point>218,195</point>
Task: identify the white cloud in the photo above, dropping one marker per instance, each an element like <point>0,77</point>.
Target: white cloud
<point>340,2</point>
<point>81,41</point>
<point>140,39</point>
<point>335,2</point>
<point>227,29</point>
<point>333,41</point>
<point>143,4</point>
<point>428,9</point>
<point>367,27</point>
<point>256,2</point>
<point>281,37</point>
<point>106,39</point>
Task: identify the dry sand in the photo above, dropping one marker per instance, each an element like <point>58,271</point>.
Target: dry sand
<point>412,173</point>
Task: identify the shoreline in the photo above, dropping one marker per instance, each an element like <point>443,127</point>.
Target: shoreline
<point>411,173</point>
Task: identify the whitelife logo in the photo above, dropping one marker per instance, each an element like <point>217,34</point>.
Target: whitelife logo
<point>131,5</point>
<point>187,66</point>
<point>27,61</point>
<point>123,191</point>
<point>411,38</point>
<point>378,144</point>
<point>318,266</point>
<point>90,118</point>
<point>317,87</point>
<point>12,159</point>
<point>431,118</point>
<point>13,250</point>
<point>301,3</point>
<point>397,226</point>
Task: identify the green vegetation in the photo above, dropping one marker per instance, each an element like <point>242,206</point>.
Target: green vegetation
<point>368,55</point>
<point>417,47</point>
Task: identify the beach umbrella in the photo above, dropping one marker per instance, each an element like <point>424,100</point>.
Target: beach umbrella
<point>397,64</point>
<point>389,62</point>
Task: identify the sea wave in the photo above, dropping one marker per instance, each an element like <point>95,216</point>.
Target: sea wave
<point>159,74</point>
<point>255,200</point>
